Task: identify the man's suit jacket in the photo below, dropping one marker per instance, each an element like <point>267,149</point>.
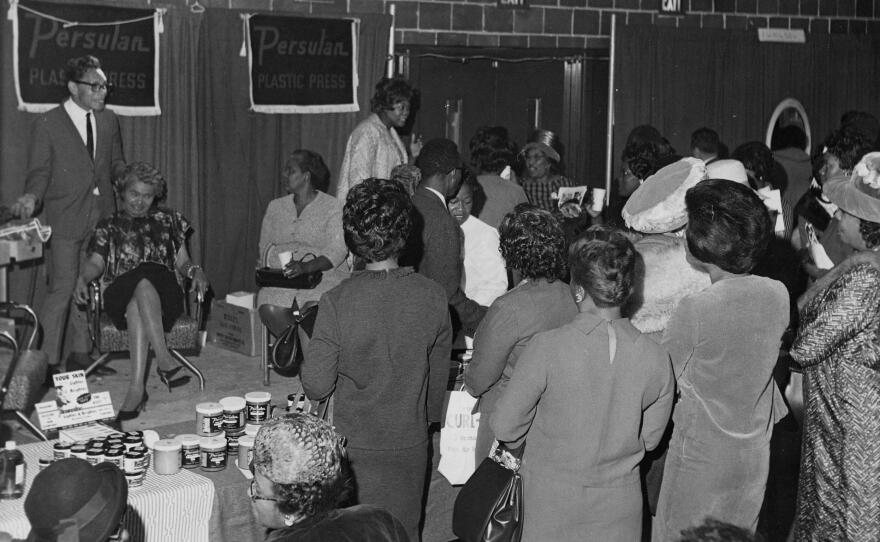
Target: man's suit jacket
<point>62,175</point>
<point>434,250</point>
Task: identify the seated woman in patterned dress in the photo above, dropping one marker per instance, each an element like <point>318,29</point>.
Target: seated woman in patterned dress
<point>140,253</point>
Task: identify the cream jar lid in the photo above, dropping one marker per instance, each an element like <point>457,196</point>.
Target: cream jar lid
<point>166,445</point>
<point>258,397</point>
<point>209,408</point>
<point>232,404</point>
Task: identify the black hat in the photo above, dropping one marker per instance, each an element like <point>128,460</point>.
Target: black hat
<point>72,495</point>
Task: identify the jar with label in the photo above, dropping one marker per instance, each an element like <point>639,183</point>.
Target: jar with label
<point>115,456</point>
<point>44,462</point>
<point>166,456</point>
<point>130,441</point>
<point>135,479</point>
<point>146,453</point>
<point>78,451</point>
<point>245,451</point>
<point>232,441</point>
<point>133,462</point>
<point>95,455</point>
<point>189,450</point>
<point>209,419</point>
<point>61,450</point>
<point>257,406</point>
<point>212,453</point>
<point>233,413</point>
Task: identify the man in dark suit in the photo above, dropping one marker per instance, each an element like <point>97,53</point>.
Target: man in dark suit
<point>75,153</point>
<point>434,248</point>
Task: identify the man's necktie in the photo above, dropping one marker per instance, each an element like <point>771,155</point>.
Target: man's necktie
<point>90,138</point>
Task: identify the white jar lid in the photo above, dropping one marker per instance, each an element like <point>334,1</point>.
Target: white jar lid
<point>258,397</point>
<point>232,403</point>
<point>247,440</point>
<point>166,445</point>
<point>209,408</point>
<point>212,443</point>
<point>188,439</point>
<point>251,429</point>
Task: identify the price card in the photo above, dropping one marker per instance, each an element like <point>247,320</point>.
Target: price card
<point>74,405</point>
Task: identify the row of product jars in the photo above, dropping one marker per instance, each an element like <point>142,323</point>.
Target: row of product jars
<point>231,414</point>
<point>209,453</point>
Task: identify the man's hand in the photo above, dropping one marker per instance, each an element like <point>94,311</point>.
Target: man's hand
<point>25,206</point>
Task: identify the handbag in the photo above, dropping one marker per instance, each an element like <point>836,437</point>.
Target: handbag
<point>268,277</point>
<point>286,356</point>
<point>489,507</point>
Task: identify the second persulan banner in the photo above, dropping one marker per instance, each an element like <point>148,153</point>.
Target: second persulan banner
<point>302,64</point>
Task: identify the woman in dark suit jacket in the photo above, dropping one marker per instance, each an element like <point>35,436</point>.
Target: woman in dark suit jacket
<point>382,341</point>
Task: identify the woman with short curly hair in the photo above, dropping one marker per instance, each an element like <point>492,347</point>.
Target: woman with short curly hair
<point>589,398</point>
<point>533,245</point>
<point>301,476</point>
<point>382,343</point>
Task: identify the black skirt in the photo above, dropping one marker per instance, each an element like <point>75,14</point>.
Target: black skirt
<point>119,293</point>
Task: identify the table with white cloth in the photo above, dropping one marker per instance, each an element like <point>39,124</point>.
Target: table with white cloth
<point>166,508</point>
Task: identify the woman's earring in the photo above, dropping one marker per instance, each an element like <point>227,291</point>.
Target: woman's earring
<point>288,520</point>
<point>579,295</point>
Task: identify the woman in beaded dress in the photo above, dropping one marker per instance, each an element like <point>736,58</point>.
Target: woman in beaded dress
<point>839,486</point>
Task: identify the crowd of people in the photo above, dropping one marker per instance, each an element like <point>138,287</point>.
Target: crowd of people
<point>631,351</point>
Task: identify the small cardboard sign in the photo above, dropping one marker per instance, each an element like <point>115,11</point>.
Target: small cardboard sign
<point>73,405</point>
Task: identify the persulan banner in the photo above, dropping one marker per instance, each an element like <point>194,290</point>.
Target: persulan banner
<point>126,41</point>
<point>302,64</point>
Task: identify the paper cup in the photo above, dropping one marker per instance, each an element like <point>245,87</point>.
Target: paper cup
<point>285,257</point>
<point>598,199</point>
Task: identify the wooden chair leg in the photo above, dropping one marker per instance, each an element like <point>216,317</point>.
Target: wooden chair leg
<point>188,364</point>
<point>33,428</point>
<point>101,360</point>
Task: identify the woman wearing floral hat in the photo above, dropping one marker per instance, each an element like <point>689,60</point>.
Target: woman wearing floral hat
<point>838,495</point>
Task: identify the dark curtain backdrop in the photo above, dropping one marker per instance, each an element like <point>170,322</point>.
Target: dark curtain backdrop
<point>680,80</point>
<point>242,153</point>
<point>221,161</point>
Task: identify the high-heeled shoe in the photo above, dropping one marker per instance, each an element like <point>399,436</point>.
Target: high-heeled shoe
<point>167,377</point>
<point>126,415</point>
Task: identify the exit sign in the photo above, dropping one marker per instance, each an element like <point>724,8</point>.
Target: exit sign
<point>672,6</point>
<point>513,4</point>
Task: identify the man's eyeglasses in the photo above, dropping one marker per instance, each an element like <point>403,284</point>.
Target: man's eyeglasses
<point>252,493</point>
<point>96,87</point>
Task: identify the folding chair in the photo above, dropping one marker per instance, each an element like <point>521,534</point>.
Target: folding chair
<point>184,335</point>
<point>24,371</point>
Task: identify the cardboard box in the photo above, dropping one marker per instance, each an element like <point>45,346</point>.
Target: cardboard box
<point>235,328</point>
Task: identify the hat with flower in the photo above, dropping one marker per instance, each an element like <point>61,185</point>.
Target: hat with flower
<point>657,206</point>
<point>858,195</point>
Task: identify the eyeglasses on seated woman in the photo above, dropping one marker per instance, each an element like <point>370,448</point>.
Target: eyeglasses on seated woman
<point>301,477</point>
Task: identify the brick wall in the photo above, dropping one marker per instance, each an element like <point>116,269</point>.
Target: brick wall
<point>581,23</point>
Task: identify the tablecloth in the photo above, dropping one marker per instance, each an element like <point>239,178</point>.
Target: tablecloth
<point>172,508</point>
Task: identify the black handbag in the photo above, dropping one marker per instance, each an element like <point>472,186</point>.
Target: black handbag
<point>268,277</point>
<point>286,356</point>
<point>489,507</point>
